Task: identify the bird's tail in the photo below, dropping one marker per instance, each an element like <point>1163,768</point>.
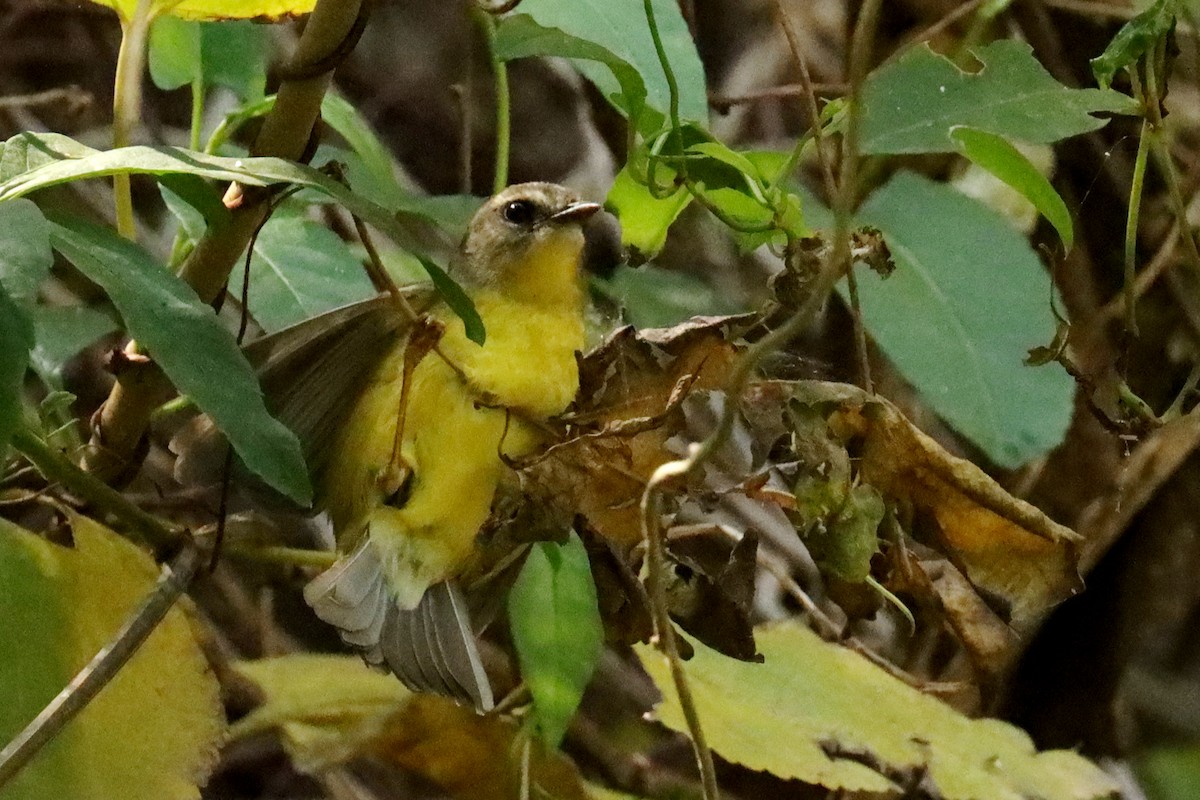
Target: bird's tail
<point>430,648</point>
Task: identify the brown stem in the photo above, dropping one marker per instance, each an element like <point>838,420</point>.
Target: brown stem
<point>120,425</point>
<point>810,96</point>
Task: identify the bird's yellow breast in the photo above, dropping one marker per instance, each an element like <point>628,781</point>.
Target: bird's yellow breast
<point>455,429</point>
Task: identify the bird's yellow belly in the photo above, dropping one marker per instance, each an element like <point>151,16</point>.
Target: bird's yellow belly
<point>451,442</point>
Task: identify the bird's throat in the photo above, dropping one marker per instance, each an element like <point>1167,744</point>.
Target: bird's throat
<point>528,359</point>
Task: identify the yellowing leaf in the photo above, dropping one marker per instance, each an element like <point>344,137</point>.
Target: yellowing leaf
<point>326,706</point>
<point>152,732</point>
<point>215,9</point>
<point>1005,546</point>
<point>331,709</point>
<point>823,714</point>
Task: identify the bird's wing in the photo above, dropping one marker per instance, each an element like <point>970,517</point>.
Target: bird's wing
<point>311,374</point>
<point>431,648</point>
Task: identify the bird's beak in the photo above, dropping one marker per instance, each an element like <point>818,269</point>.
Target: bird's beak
<point>576,212</point>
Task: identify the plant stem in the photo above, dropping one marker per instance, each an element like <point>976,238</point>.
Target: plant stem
<point>57,468</point>
<point>1131,228</point>
<point>664,629</point>
<point>503,101</point>
<point>127,103</point>
<point>810,98</point>
<point>197,113</point>
<point>285,133</point>
<point>287,556</point>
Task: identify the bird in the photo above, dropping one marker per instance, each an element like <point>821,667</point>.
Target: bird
<point>408,477</point>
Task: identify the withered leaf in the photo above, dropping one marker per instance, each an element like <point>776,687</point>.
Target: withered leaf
<point>989,642</point>
<point>1006,547</point>
<point>712,594</point>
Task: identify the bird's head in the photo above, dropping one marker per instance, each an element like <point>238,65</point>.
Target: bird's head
<point>525,242</point>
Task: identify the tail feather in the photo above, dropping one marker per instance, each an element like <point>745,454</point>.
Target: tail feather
<point>459,654</point>
<point>351,596</point>
<point>430,648</point>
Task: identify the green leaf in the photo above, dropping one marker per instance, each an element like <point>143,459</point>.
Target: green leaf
<point>152,734</point>
<point>519,36</point>
<point>911,105</point>
<point>819,713</point>
<point>722,153</point>
<point>557,631</point>
<point>299,269</point>
<point>194,202</point>
<point>25,255</point>
<point>645,219</point>
<point>1133,40</point>
<point>620,29</point>
<point>1170,772</point>
<point>195,351</point>
<point>16,337</point>
<point>60,332</point>
<point>847,543</point>
<point>1007,163</point>
<point>230,54</point>
<point>174,53</point>
<point>28,151</point>
<point>252,172</point>
<point>378,179</point>
<point>657,298</point>
<point>740,205</point>
<point>968,299</point>
<point>235,56</point>
<point>458,301</point>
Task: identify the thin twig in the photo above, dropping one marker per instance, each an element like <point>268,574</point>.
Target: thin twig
<point>928,33</point>
<point>664,629</point>
<point>860,335</point>
<point>810,97</point>
<point>69,96</point>
<point>721,103</point>
<point>861,45</point>
<point>698,454</point>
<point>831,632</point>
<point>57,468</point>
<point>1146,278</point>
<point>84,687</point>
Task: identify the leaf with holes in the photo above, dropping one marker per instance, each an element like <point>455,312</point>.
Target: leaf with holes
<point>912,104</point>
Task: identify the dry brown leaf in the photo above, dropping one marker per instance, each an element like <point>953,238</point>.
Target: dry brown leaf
<point>631,387</point>
<point>470,756</point>
<point>1017,557</point>
<point>989,642</point>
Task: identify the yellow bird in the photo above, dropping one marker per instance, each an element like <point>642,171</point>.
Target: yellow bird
<point>392,592</point>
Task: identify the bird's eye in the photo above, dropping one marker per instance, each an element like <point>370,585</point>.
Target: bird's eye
<point>519,212</point>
